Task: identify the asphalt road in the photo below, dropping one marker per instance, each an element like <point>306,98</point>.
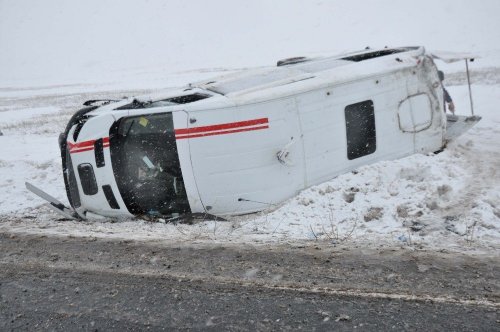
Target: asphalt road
<point>52,283</point>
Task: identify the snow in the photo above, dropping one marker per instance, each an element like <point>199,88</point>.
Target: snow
<point>57,54</point>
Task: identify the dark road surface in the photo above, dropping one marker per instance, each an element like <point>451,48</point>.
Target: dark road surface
<point>65,284</point>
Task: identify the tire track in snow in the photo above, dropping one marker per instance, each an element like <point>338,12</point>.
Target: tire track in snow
<point>481,161</point>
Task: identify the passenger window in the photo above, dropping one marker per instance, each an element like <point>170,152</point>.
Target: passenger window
<point>360,129</point>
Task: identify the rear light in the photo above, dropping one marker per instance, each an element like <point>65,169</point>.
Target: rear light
<point>110,197</point>
<point>70,181</point>
<point>79,126</point>
<point>87,179</point>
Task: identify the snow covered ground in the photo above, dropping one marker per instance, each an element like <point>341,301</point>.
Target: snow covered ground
<point>449,200</point>
<point>56,59</point>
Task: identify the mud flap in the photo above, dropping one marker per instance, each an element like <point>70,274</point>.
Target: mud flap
<point>458,124</point>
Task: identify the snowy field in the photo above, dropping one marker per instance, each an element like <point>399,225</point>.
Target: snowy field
<point>56,59</point>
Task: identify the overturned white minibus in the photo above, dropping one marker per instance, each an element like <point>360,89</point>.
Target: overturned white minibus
<point>240,143</point>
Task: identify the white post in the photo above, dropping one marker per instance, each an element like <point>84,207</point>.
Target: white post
<point>468,82</point>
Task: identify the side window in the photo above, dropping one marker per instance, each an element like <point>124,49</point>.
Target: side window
<point>360,129</point>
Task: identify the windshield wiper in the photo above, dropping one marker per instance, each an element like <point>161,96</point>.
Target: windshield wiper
<point>101,101</point>
<point>135,104</point>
